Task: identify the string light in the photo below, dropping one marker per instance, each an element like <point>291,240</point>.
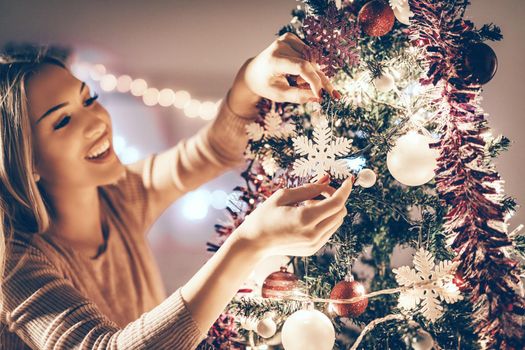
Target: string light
<point>138,87</point>
<point>124,83</point>
<point>151,96</point>
<point>108,82</point>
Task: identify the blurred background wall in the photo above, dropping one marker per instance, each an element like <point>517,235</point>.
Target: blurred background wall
<point>198,46</point>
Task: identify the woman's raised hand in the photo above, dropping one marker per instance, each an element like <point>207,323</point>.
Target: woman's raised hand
<point>292,222</point>
<point>265,75</point>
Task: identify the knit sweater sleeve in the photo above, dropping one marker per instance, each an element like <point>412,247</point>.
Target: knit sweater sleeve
<point>216,148</point>
<point>45,310</point>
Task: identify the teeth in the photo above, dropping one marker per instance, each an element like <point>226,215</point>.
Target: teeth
<point>99,150</point>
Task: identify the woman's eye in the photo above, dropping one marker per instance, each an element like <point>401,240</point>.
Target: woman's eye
<point>90,100</point>
<point>63,122</point>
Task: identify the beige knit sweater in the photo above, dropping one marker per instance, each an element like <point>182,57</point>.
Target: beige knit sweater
<point>59,298</point>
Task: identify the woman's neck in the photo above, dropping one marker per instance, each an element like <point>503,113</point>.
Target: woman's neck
<point>77,217</point>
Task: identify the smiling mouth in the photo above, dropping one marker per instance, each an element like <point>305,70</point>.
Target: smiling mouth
<point>100,152</point>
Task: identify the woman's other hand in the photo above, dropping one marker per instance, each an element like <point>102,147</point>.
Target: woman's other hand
<point>292,222</point>
<point>265,75</point>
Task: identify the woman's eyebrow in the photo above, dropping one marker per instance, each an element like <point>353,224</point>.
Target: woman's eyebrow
<point>57,107</point>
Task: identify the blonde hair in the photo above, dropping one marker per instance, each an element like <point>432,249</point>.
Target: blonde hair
<point>24,207</point>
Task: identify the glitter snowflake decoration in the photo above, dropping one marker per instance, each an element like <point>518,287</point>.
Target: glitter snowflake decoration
<point>274,128</point>
<point>332,40</point>
<point>428,284</point>
<point>319,155</point>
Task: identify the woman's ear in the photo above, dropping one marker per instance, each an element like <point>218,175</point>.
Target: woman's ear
<point>36,176</point>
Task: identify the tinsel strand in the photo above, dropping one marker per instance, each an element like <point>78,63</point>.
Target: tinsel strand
<point>467,182</point>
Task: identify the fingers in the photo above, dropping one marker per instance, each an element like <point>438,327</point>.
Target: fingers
<point>287,93</point>
<point>330,228</point>
<point>297,45</point>
<point>327,207</point>
<point>328,222</point>
<point>303,68</point>
<point>299,48</point>
<point>302,193</point>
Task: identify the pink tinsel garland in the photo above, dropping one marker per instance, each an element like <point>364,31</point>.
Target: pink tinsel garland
<point>467,181</point>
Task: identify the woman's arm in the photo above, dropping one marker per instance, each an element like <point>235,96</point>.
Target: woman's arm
<point>277,227</point>
<point>220,145</point>
<point>216,148</point>
<point>47,312</point>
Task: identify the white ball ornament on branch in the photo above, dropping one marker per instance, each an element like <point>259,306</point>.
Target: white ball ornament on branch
<point>366,178</point>
<point>266,327</point>
<point>411,161</point>
<point>422,341</point>
<point>385,82</point>
<point>308,330</point>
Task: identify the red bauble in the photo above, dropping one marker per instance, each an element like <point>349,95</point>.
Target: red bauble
<point>376,18</point>
<point>480,63</point>
<point>279,284</point>
<point>348,290</point>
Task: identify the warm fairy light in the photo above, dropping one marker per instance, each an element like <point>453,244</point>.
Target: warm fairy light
<point>108,82</point>
<point>182,97</point>
<point>97,72</point>
<point>151,97</point>
<point>166,97</point>
<point>208,110</point>
<point>124,83</point>
<point>138,87</point>
<point>195,204</point>
<point>192,109</point>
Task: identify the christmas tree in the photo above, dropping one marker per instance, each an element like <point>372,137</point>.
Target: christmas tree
<point>410,130</point>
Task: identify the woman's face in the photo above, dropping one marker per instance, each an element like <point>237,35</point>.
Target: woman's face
<point>70,128</point>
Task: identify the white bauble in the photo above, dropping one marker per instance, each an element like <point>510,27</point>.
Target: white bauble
<point>412,162</point>
<point>266,327</point>
<point>385,82</point>
<point>422,341</point>
<point>308,330</point>
<point>366,178</point>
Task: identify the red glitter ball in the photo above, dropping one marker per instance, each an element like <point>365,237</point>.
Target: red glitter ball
<point>279,283</point>
<point>376,18</point>
<point>348,290</point>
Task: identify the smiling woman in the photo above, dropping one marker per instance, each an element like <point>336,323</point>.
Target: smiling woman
<point>77,269</point>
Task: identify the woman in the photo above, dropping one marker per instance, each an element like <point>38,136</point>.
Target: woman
<point>78,271</point>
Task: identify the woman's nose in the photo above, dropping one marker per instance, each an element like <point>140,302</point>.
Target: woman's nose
<point>95,129</point>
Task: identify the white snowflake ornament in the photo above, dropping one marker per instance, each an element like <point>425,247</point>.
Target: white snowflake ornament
<point>428,284</point>
<point>320,155</point>
<point>270,165</point>
<point>274,128</point>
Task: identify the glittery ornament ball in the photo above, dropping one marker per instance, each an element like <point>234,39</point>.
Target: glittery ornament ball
<point>376,18</point>
<point>278,284</point>
<point>480,63</point>
<point>348,290</point>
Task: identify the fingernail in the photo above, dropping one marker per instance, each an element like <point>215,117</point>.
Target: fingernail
<point>337,95</point>
<point>320,94</point>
